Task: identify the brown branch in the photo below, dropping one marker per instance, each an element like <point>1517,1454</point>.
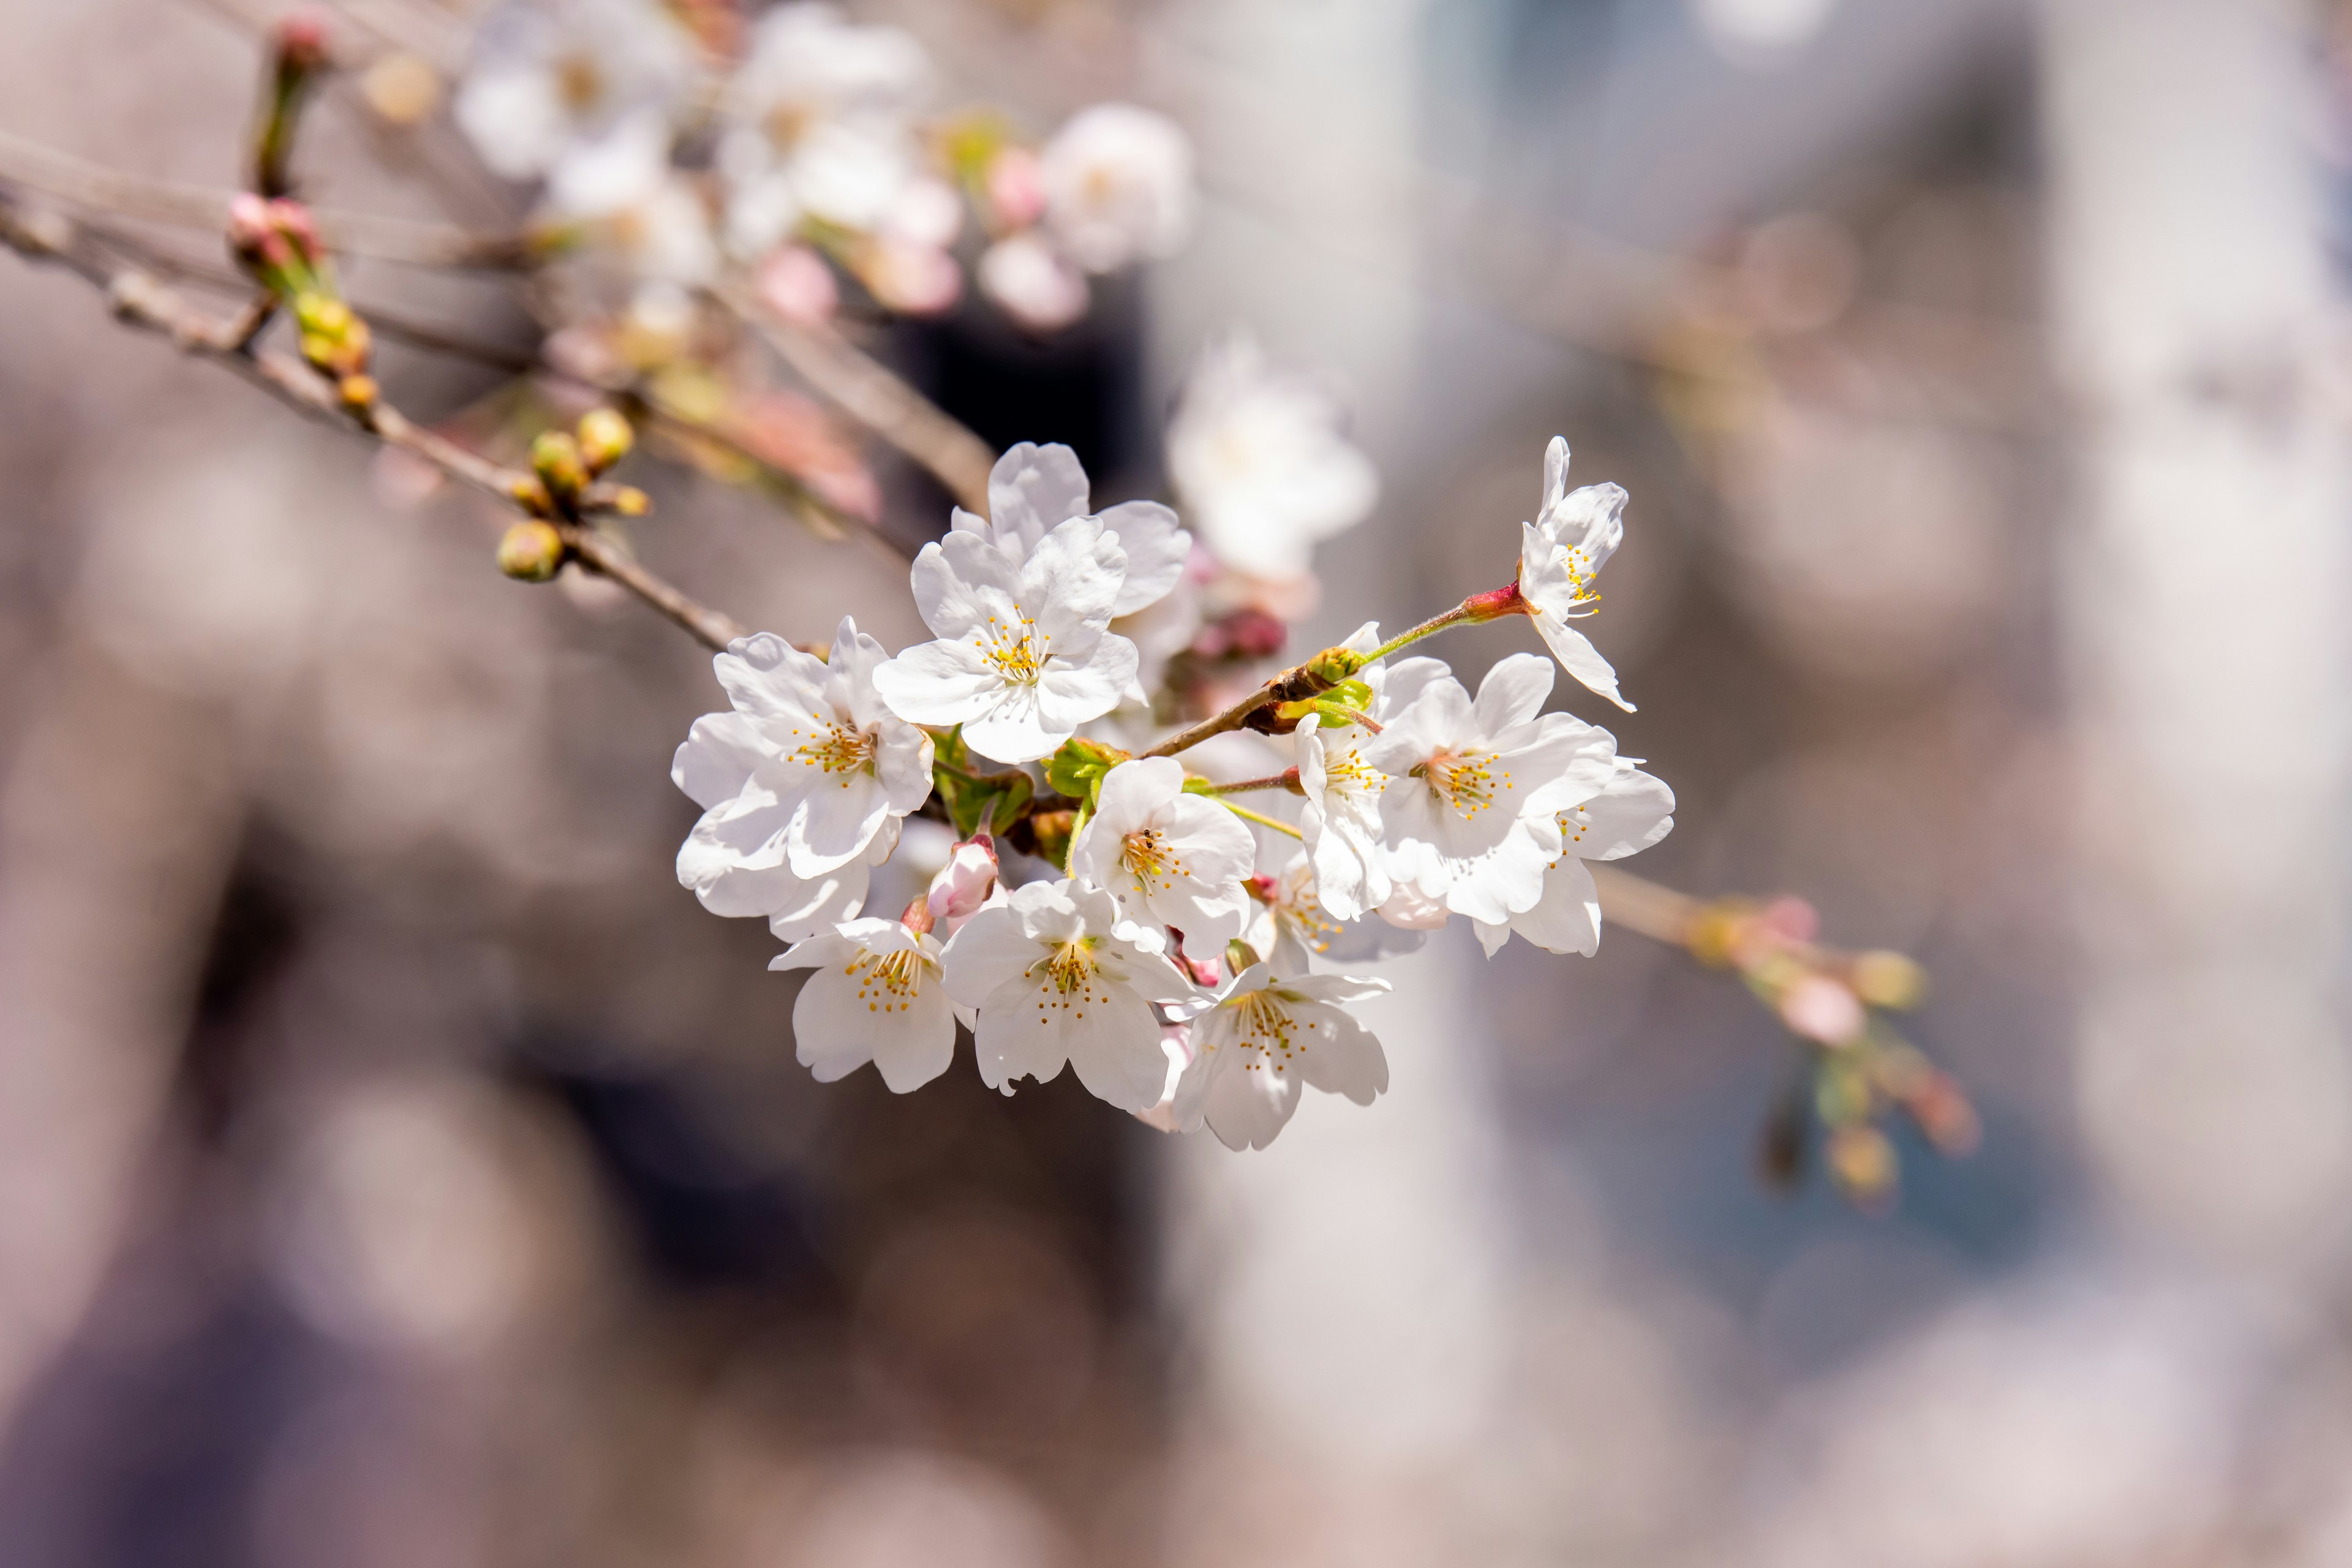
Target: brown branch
<point>878,398</point>
<point>139,300</point>
<point>1658,912</point>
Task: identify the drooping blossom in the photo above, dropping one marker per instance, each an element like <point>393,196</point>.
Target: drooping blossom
<point>1259,457</point>
<point>579,92</point>
<point>818,762</point>
<point>1290,928</point>
<point>1054,981</point>
<point>1033,489</point>
<point>1023,657</point>
<point>1167,858</point>
<point>1630,812</point>
<point>877,996</point>
<point>1117,182</point>
<point>1469,815</point>
<point>1560,554</point>
<point>1265,1039</point>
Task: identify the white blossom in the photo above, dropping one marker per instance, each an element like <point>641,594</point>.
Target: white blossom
<point>1032,282</point>
<point>820,116</point>
<point>580,92</point>
<point>1341,824</point>
<point>1560,553</point>
<point>1166,857</point>
<point>1264,1040</point>
<point>1033,489</point>
<point>823,764</point>
<point>877,996</point>
<point>1023,657</point>
<point>1055,982</point>
<point>1290,927</point>
<point>1632,811</point>
<point>1259,457</point>
<point>1469,815</point>
<point>1117,182</point>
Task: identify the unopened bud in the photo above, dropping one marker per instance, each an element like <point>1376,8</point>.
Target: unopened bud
<point>1334,664</point>
<point>1945,1115</point>
<point>1862,1159</point>
<point>358,392</point>
<point>631,501</point>
<point>1888,980</point>
<point>1821,1009</point>
<point>555,457</point>
<point>1049,833</point>
<point>605,438</point>
<point>531,496</point>
<point>302,40</point>
<point>532,552</point>
<point>917,916</point>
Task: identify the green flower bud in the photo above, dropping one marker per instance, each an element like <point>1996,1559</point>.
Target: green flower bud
<point>532,552</point>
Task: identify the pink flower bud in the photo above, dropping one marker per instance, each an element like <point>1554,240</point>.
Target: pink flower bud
<point>796,284</point>
<point>1819,1008</point>
<point>1015,194</point>
<point>965,884</point>
<point>302,39</point>
<point>910,279</point>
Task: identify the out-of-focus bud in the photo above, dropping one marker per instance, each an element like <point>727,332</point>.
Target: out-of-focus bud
<point>605,438</point>
<point>302,37</point>
<point>532,552</point>
<point>1016,196</point>
<point>964,884</point>
<point>1888,980</point>
<point>1049,832</point>
<point>796,284</point>
<point>403,90</point>
<point>1791,918</point>
<point>910,277</point>
<point>1841,1093</point>
<point>1945,1115</point>
<point>631,501</point>
<point>358,392</point>
<point>1821,1009</point>
<point>333,337</point>
<point>1714,933</point>
<point>531,496</point>
<point>1862,1160</point>
<point>555,459</point>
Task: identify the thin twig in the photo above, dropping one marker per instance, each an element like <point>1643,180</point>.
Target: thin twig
<point>139,300</point>
<point>1658,912</point>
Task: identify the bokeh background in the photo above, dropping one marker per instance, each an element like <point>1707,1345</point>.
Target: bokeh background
<point>397,1167</point>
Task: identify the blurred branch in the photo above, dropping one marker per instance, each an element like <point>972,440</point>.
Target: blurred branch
<point>141,301</point>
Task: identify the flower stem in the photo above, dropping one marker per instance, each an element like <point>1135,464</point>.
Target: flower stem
<point>1286,779</point>
<point>1491,605</point>
<point>1248,815</point>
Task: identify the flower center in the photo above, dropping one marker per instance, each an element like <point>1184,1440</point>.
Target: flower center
<point>1466,780</point>
<point>1150,860</point>
<point>1345,772</point>
<point>1573,825</point>
<point>838,749</point>
<point>1265,1026</point>
<point>1069,979</point>
<point>579,83</point>
<point>1012,650</point>
<point>888,982</point>
<point>1573,565</point>
<point>1303,913</point>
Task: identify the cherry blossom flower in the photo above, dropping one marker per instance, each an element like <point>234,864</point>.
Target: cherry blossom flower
<point>800,775</point>
<point>580,94</point>
<point>1057,981</point>
<point>1470,814</point>
<point>1631,811</point>
<point>795,908</point>
<point>1560,553</point>
<point>1166,857</point>
<point>877,996</point>
<point>1341,824</point>
<point>1264,1040</point>
<point>1023,657</point>
<point>1117,182</point>
<point>1033,488</point>
<point>964,886</point>
<point>1258,457</point>
<point>1032,283</point>
<point>1290,927</point>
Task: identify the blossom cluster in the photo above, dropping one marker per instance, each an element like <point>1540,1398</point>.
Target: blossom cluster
<point>1192,959</point>
<point>690,147</point>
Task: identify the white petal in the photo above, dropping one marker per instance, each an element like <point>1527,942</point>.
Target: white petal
<point>1513,692</point>
<point>1156,548</point>
<point>1032,489</point>
<point>1579,657</point>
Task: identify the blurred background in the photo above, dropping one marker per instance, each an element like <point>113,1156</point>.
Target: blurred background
<point>397,1167</point>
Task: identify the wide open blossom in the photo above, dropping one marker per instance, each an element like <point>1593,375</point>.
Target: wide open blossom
<point>1033,489</point>
<point>816,762</point>
<point>580,92</point>
<point>1054,981</point>
<point>1263,1040</point>
<point>821,124</point>
<point>1023,657</point>
<point>1341,823</point>
<point>1290,927</point>
<point>1469,815</point>
<point>1117,182</point>
<point>1258,456</point>
<point>1632,811</point>
<point>1166,857</point>
<point>1560,553</point>
<point>877,996</point>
